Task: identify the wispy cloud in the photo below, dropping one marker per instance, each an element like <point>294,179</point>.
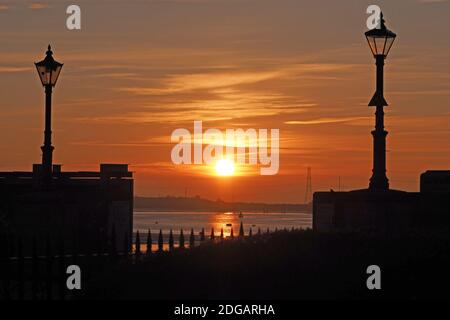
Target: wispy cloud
<point>189,82</point>
<point>14,69</point>
<point>238,92</point>
<point>325,120</point>
<point>38,6</point>
<point>432,1</point>
<point>3,7</point>
<point>201,81</point>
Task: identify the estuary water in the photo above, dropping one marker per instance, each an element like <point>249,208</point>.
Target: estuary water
<point>175,221</point>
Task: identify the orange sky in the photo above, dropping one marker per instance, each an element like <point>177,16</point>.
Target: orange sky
<point>140,69</point>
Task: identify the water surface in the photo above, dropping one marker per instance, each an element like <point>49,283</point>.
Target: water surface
<point>166,221</point>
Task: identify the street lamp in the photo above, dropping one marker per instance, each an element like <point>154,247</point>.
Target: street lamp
<point>48,70</point>
<point>380,41</point>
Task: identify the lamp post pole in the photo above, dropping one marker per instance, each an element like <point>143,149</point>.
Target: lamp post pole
<point>47,148</point>
<point>380,40</point>
<point>48,70</point>
<point>379,180</point>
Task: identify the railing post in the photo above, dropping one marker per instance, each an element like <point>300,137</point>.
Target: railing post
<point>34,269</point>
<point>202,235</point>
<point>221,233</point>
<point>75,249</point>
<point>192,239</point>
<point>113,248</point>
<point>49,265</point>
<point>138,245</point>
<point>21,269</point>
<point>149,243</point>
<point>212,234</point>
<point>7,270</point>
<point>62,269</point>
<point>250,233</point>
<point>171,243</point>
<point>231,233</point>
<point>100,248</point>
<point>241,230</point>
<point>160,241</point>
<point>181,245</point>
<point>126,245</point>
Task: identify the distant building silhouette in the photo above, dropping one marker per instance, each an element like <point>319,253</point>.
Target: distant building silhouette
<point>435,181</point>
<point>85,205</point>
<point>386,211</point>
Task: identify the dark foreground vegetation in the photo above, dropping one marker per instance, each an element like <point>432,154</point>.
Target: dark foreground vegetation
<point>284,265</point>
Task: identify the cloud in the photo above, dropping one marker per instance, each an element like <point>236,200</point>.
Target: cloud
<point>239,92</point>
<point>325,120</point>
<point>3,7</point>
<point>189,82</point>
<point>38,6</point>
<point>433,92</point>
<point>14,69</point>
<point>433,1</point>
<point>203,81</point>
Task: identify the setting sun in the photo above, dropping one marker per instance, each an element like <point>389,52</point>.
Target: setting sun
<point>225,167</point>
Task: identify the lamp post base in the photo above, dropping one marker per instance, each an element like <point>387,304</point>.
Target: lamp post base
<point>379,184</point>
<point>47,155</point>
<point>379,180</point>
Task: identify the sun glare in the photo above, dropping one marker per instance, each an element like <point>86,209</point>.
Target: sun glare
<point>225,167</point>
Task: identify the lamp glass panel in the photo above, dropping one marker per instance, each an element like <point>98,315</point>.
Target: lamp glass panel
<point>374,44</point>
<point>389,43</point>
<point>43,74</point>
<point>55,74</point>
<point>380,43</point>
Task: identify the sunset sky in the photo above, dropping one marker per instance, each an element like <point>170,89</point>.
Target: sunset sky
<point>140,69</point>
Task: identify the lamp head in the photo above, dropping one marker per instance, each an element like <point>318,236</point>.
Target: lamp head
<point>380,39</point>
<point>48,69</point>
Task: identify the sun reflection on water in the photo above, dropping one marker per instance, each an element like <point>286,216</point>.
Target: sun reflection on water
<point>226,221</point>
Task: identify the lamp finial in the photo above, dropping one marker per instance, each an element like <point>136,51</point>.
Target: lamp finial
<point>382,22</point>
<point>49,50</point>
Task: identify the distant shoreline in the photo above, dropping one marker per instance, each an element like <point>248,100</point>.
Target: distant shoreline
<point>197,204</point>
<point>143,210</point>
